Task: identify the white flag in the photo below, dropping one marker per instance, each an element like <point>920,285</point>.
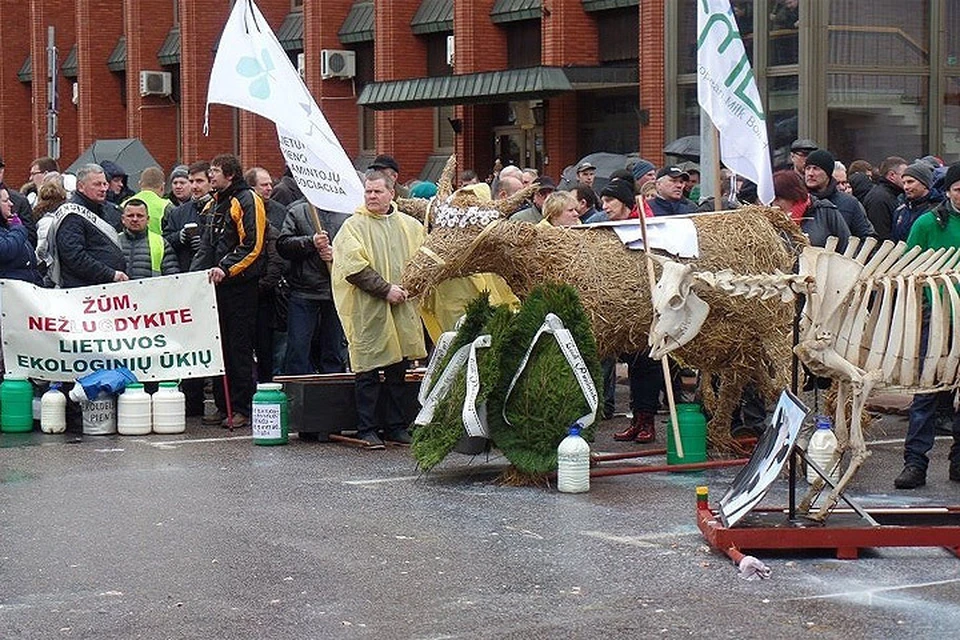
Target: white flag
<point>252,72</point>
<point>727,91</point>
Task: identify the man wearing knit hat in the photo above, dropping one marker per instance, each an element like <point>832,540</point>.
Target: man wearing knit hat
<point>818,176</point>
<point>179,185</point>
<point>643,172</point>
<point>936,229</point>
<point>919,199</point>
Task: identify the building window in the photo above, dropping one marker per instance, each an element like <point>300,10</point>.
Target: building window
<point>687,32</point>
<point>893,33</point>
<point>437,55</point>
<point>608,121</point>
<point>871,116</point>
<point>296,5</point>
<point>784,26</point>
<point>783,115</point>
<point>443,131</point>
<point>618,33</point>
<point>368,138</point>
<point>951,118</point>
<point>523,44</point>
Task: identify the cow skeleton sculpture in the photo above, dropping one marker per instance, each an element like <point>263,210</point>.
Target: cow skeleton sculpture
<point>861,324</point>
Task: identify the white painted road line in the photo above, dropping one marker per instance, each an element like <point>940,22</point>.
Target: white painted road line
<point>381,480</point>
<point>172,444</point>
<point>871,592</point>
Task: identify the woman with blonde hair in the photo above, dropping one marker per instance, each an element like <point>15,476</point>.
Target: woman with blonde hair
<point>50,195</point>
<point>560,210</point>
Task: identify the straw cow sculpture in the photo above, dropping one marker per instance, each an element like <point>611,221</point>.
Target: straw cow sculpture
<point>862,324</point>
<point>746,344</point>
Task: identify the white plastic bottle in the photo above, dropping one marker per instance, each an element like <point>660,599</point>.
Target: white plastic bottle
<point>53,410</point>
<point>823,450</point>
<point>573,463</point>
<point>169,409</point>
<point>133,411</point>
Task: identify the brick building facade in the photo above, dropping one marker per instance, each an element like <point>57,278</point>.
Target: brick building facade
<point>536,82</point>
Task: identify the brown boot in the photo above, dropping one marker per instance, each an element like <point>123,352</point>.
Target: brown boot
<point>631,432</point>
<point>646,431</point>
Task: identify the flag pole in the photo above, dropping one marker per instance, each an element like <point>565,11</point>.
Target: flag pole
<point>717,182</point>
<point>671,403</point>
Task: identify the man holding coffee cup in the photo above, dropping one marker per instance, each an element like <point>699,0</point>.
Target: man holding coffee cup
<point>181,226</point>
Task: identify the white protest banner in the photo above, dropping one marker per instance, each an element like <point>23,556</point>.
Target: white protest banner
<point>727,92</point>
<point>162,328</point>
<point>252,72</point>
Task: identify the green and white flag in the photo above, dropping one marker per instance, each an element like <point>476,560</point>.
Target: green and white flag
<point>252,72</point>
<point>727,92</point>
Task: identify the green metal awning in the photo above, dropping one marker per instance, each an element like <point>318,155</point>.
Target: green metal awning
<point>532,83</point>
<point>26,70</point>
<point>514,10</point>
<point>603,5</point>
<point>290,33</point>
<point>69,66</point>
<point>118,57</point>
<point>472,88</point>
<point>169,53</point>
<point>358,26</point>
<point>434,168</point>
<point>433,16</point>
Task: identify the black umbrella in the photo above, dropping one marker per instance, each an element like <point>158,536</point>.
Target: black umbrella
<point>687,148</point>
<point>606,164</point>
<point>128,153</point>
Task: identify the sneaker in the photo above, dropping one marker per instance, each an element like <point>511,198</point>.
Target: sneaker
<point>399,436</point>
<point>213,419</point>
<point>910,478</point>
<point>371,439</point>
<point>239,422</point>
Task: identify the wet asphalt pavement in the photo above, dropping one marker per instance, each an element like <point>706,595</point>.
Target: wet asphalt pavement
<point>206,535</point>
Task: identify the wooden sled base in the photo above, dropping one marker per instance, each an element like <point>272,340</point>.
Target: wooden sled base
<point>845,531</point>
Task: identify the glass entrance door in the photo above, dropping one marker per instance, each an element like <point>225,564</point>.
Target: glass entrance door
<point>522,147</point>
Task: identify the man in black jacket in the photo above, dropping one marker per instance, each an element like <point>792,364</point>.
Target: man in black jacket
<point>83,237</point>
<point>884,198</point>
<point>310,251</point>
<point>231,247</point>
<point>818,176</point>
<point>184,239</point>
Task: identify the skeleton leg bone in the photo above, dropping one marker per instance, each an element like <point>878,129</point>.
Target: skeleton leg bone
<point>858,446</point>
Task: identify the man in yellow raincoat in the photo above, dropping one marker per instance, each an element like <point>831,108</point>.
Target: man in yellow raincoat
<point>383,330</point>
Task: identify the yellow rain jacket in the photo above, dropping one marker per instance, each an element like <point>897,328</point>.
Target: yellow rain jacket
<point>446,303</point>
<point>378,333</point>
<point>443,306</point>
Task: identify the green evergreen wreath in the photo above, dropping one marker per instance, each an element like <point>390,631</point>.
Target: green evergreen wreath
<point>432,442</point>
<point>547,398</point>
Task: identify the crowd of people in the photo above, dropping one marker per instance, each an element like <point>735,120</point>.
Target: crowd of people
<point>302,290</point>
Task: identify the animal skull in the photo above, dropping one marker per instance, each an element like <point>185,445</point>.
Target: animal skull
<point>678,312</point>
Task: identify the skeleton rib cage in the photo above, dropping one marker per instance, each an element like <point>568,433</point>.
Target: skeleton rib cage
<point>866,305</point>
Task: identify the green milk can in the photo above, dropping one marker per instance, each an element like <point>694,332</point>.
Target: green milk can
<point>693,435</point>
<point>16,405</point>
<point>270,414</point>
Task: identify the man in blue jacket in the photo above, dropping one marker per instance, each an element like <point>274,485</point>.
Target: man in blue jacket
<point>83,237</point>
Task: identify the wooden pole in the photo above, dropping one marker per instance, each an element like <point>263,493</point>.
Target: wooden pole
<point>663,361</point>
<point>717,186</point>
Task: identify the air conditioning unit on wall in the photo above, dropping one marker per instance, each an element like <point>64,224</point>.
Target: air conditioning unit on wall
<point>156,83</point>
<point>337,63</point>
